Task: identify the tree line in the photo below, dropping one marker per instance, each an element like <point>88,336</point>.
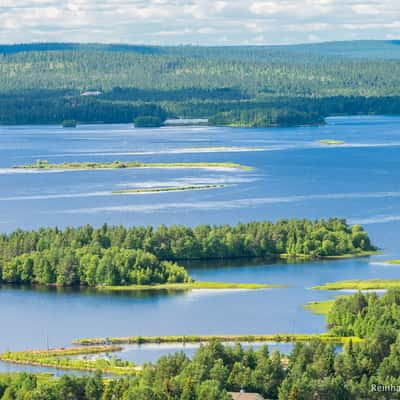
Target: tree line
<point>116,255</point>
<point>363,314</point>
<point>55,106</point>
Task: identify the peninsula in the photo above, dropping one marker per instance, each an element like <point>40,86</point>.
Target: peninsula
<point>140,257</point>
<point>373,284</point>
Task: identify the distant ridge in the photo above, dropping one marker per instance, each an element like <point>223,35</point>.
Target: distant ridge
<point>382,49</point>
<point>27,47</point>
<point>240,86</point>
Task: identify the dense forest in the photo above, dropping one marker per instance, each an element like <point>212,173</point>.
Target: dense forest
<point>366,370</point>
<point>144,255</point>
<point>239,86</point>
<point>363,314</point>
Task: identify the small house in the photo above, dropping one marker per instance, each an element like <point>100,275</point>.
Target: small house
<point>242,395</point>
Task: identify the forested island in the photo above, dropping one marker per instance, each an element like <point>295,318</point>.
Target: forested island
<point>240,86</point>
<point>119,256</point>
<point>365,369</point>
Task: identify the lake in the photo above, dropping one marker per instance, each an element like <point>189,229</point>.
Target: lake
<point>294,176</point>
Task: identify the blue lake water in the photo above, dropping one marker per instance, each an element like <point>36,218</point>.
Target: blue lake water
<point>293,176</point>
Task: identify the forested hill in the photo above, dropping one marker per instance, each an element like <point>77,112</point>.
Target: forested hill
<point>240,86</point>
<point>374,49</point>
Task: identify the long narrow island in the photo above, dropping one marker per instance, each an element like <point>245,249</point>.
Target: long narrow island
<point>166,189</point>
<point>145,258</point>
<point>91,165</point>
<point>186,339</point>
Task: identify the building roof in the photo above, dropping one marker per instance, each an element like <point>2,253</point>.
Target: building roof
<point>245,396</point>
<point>91,93</point>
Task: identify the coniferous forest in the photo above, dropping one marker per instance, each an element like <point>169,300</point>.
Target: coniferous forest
<point>236,86</point>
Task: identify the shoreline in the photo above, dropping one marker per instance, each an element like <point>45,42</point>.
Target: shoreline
<point>190,286</point>
<point>187,286</point>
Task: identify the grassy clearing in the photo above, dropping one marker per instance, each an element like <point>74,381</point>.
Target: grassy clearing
<point>191,286</point>
<point>66,359</point>
<point>45,165</point>
<point>331,142</point>
<point>394,262</point>
<point>167,189</point>
<point>282,337</point>
<point>373,284</point>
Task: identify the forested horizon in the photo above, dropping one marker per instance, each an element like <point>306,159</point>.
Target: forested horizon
<point>46,83</point>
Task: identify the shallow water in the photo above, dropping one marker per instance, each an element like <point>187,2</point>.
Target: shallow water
<point>294,176</point>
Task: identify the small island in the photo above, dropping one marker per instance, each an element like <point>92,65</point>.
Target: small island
<point>372,284</point>
<point>167,189</point>
<point>69,123</point>
<point>331,142</point>
<point>87,165</point>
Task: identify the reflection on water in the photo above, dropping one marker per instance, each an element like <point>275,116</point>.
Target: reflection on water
<point>193,265</point>
<point>91,292</point>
